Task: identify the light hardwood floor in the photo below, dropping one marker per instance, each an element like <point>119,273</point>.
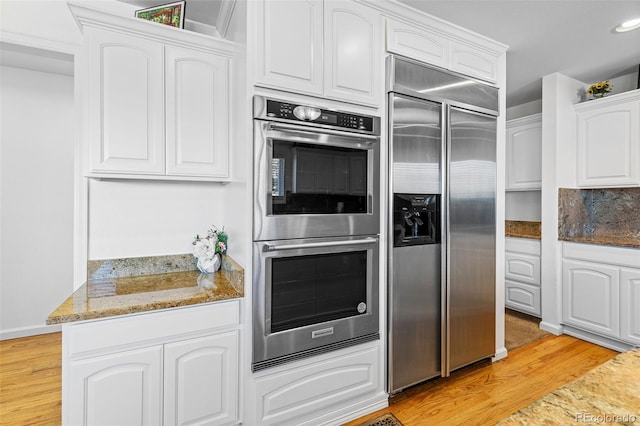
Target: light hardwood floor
<point>30,377</point>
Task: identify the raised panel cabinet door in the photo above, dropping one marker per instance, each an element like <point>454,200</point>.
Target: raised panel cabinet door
<point>417,43</point>
<point>590,297</point>
<point>523,268</point>
<point>630,305</point>
<point>522,297</point>
<point>352,53</point>
<point>473,61</point>
<point>201,381</point>
<point>120,389</point>
<point>125,94</point>
<point>609,144</point>
<point>289,45</point>
<point>524,155</point>
<point>197,113</point>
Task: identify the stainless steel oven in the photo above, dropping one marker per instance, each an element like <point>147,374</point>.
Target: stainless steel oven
<point>312,296</point>
<point>316,171</point>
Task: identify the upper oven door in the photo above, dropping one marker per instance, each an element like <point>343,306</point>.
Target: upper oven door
<point>314,182</point>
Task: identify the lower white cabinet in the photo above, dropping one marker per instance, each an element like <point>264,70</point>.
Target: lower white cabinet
<point>591,297</point>
<point>318,391</point>
<point>168,376</point>
<point>630,305</point>
<point>522,275</point>
<point>601,290</point>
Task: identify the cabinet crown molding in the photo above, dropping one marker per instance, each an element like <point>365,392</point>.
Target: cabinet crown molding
<point>608,100</point>
<point>528,119</point>
<point>86,16</point>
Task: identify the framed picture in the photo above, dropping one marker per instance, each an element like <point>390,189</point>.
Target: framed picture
<point>169,14</point>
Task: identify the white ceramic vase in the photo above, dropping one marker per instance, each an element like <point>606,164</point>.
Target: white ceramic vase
<point>209,265</point>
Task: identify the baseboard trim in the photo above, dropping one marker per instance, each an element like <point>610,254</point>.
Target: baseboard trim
<point>15,333</point>
<point>556,329</point>
<point>615,345</point>
<point>500,354</point>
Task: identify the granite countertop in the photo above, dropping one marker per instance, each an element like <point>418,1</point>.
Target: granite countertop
<point>523,229</point>
<point>112,296</point>
<point>608,394</point>
<point>607,240</point>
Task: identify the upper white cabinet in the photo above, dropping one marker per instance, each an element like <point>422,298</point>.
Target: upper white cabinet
<point>352,67</point>
<point>157,99</point>
<point>608,145</point>
<point>435,46</point>
<point>290,55</point>
<point>320,48</point>
<point>524,153</point>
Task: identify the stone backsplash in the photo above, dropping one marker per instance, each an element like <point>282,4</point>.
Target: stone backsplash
<point>600,216</point>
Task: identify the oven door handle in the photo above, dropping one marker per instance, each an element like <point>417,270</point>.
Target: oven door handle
<point>276,247</point>
<point>316,130</point>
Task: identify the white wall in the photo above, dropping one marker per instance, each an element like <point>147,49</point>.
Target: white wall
<point>36,207</point>
<point>523,205</point>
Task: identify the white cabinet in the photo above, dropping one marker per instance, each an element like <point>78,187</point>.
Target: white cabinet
<point>601,290</point>
<point>315,392</point>
<point>608,144</point>
<point>436,46</point>
<point>171,367</point>
<point>289,46</point>
<point>157,100</point>
<point>522,275</point>
<point>116,389</point>
<point>201,380</point>
<point>591,298</point>
<point>329,49</point>
<point>630,305</point>
<point>524,153</point>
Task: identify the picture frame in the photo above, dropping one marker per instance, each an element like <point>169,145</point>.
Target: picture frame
<point>171,14</point>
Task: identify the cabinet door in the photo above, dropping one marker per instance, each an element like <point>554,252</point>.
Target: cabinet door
<point>609,144</point>
<point>590,297</point>
<point>201,381</point>
<point>120,389</point>
<point>524,155</point>
<point>125,85</point>
<point>471,60</point>
<point>630,305</point>
<point>523,268</point>
<point>289,46</point>
<point>417,43</point>
<point>197,113</point>
<point>352,53</point>
<point>522,297</point>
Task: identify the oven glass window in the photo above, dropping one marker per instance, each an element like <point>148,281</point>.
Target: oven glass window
<point>312,179</point>
<point>312,289</point>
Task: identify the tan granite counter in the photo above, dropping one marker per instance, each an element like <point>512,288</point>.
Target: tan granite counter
<point>607,394</point>
<point>112,296</point>
<point>523,229</point>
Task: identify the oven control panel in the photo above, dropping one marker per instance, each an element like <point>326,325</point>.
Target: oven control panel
<point>342,120</point>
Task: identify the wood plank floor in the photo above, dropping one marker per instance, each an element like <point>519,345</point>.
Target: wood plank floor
<point>486,392</point>
<point>481,394</point>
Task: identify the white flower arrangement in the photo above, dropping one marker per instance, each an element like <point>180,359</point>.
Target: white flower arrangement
<point>208,249</point>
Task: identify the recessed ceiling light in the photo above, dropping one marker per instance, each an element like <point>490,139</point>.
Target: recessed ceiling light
<point>633,24</point>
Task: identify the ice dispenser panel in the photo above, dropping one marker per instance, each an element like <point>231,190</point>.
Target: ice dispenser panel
<point>416,219</point>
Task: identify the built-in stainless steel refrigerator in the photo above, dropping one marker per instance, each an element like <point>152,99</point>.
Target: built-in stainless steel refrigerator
<point>442,159</point>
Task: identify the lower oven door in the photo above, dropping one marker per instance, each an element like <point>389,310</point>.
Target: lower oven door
<point>312,296</point>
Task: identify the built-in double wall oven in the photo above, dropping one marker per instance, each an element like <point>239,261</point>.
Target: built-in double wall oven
<point>316,225</point>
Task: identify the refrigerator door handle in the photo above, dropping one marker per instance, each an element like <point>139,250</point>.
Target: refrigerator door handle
<point>445,264</point>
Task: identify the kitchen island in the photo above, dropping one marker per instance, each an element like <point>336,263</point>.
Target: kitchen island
<point>607,394</point>
<point>145,341</point>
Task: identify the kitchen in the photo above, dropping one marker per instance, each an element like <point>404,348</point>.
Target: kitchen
<point>182,209</point>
